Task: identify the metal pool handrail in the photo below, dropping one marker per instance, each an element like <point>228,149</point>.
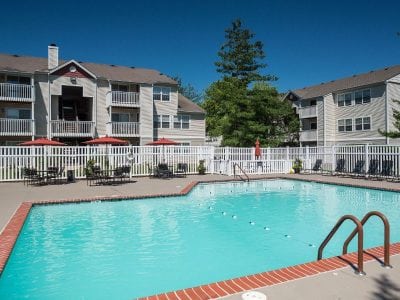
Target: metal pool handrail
<point>240,168</point>
<point>359,230</point>
<point>386,242</point>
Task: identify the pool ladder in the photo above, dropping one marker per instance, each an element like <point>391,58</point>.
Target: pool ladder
<point>359,230</point>
<point>244,173</point>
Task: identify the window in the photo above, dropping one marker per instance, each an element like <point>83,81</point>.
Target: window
<point>119,117</point>
<point>345,125</point>
<point>363,123</point>
<point>119,87</point>
<point>181,122</point>
<point>344,99</point>
<point>361,97</point>
<point>313,102</point>
<point>161,93</point>
<point>313,126</point>
<point>18,113</point>
<point>18,80</point>
<point>165,121</point>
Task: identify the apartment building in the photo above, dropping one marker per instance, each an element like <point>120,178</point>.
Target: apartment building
<point>74,101</point>
<point>349,110</point>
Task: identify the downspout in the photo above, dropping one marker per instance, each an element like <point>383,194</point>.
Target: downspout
<point>49,113</point>
<point>386,111</point>
<point>323,107</point>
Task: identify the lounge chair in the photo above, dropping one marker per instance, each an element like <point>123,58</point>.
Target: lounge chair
<point>31,176</point>
<point>340,167</point>
<point>316,168</point>
<point>181,169</point>
<point>373,169</point>
<point>93,174</point>
<point>387,168</point>
<point>358,169</point>
<point>163,171</point>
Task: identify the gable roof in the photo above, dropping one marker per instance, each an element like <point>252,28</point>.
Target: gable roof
<point>30,65</point>
<point>186,105</point>
<point>354,81</point>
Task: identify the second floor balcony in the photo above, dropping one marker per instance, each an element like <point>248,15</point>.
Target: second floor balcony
<point>16,92</point>
<point>60,128</point>
<point>307,112</point>
<point>124,99</point>
<point>17,127</point>
<point>308,135</point>
<point>123,129</point>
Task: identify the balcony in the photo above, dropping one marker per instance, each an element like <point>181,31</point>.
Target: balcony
<point>308,135</point>
<point>307,112</point>
<point>16,92</point>
<point>17,127</point>
<point>61,128</point>
<point>123,129</point>
<point>124,99</point>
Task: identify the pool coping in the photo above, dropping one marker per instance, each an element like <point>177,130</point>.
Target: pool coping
<point>11,231</point>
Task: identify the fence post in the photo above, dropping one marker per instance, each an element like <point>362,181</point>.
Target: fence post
<point>288,165</point>
<point>212,157</point>
<point>308,163</point>
<point>333,157</point>
<point>366,151</point>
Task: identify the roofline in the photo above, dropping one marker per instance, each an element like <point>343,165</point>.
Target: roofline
<point>75,62</point>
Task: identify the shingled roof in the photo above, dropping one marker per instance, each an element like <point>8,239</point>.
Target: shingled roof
<point>185,105</point>
<point>354,81</point>
<point>29,64</point>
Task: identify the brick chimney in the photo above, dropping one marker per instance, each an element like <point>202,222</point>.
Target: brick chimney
<point>53,56</point>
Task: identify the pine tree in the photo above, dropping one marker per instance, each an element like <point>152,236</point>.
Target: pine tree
<point>393,134</point>
<point>240,57</point>
<point>188,90</point>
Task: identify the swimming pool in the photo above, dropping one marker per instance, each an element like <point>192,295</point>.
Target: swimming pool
<point>128,249</point>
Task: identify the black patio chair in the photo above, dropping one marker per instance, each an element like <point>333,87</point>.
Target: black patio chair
<point>340,167</point>
<point>181,170</point>
<point>387,168</point>
<point>316,168</point>
<point>93,174</point>
<point>31,176</point>
<point>358,169</point>
<point>373,169</point>
<point>163,171</point>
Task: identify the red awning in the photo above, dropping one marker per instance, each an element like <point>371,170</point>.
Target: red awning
<point>106,140</point>
<point>162,141</point>
<point>42,142</point>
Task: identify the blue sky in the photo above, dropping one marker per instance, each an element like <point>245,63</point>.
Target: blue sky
<point>306,42</point>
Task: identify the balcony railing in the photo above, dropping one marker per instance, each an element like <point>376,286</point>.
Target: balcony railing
<point>123,129</point>
<point>308,112</point>
<point>128,99</point>
<point>16,92</point>
<point>72,128</point>
<point>308,135</point>
<point>17,127</point>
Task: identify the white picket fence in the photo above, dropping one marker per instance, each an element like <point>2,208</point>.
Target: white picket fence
<point>217,160</point>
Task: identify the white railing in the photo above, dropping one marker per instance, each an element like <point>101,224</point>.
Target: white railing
<point>123,99</point>
<point>16,92</point>
<point>308,135</point>
<point>307,112</point>
<point>123,129</point>
<point>216,159</point>
<point>17,127</point>
<point>61,128</point>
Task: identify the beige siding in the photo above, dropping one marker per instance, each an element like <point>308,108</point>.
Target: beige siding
<point>88,85</point>
<point>54,107</point>
<point>395,79</point>
<point>167,107</point>
<point>393,93</point>
<point>146,114</point>
<point>320,121</point>
<point>41,104</point>
<point>375,109</point>
<point>102,116</point>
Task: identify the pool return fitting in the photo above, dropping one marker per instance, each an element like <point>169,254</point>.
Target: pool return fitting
<point>359,230</point>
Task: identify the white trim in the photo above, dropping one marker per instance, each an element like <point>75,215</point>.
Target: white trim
<point>353,97</point>
<point>386,112</point>
<point>161,93</point>
<point>72,61</point>
<point>357,139</point>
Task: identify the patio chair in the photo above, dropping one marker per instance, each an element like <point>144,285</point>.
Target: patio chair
<point>122,172</point>
<point>316,168</point>
<point>181,170</point>
<point>373,169</point>
<point>340,167</point>
<point>93,174</point>
<point>31,176</point>
<point>163,171</point>
<point>51,174</point>
<point>358,169</point>
<point>387,168</point>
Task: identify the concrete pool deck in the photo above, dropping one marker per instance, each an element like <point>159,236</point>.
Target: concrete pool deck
<point>13,194</point>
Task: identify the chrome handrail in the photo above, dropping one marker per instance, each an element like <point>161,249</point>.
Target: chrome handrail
<point>240,168</point>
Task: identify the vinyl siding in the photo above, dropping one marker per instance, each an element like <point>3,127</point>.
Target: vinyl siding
<point>101,112</point>
<point>146,114</point>
<point>320,122</point>
<point>41,104</point>
<point>375,109</point>
<point>393,90</point>
<point>395,79</point>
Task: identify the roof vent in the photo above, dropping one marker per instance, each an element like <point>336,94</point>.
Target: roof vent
<point>79,61</point>
<point>161,74</point>
<point>386,68</point>
<point>16,55</point>
<point>322,83</point>
<point>132,67</point>
<point>53,45</point>
<point>371,71</point>
<point>112,65</point>
<point>332,80</point>
<point>354,75</point>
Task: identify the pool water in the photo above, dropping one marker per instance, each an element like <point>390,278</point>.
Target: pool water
<point>128,249</point>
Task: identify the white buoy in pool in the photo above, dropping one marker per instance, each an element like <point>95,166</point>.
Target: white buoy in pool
<point>234,217</point>
<point>223,213</point>
<point>252,223</point>
<point>253,295</point>
<point>287,235</point>
<point>266,228</point>
<point>210,208</point>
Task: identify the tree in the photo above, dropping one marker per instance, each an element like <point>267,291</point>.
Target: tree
<point>242,106</point>
<point>240,57</point>
<point>189,91</point>
<point>393,134</point>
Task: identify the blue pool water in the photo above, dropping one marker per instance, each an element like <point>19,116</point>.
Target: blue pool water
<point>127,249</point>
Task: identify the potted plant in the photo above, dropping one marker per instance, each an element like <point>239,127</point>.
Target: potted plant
<point>297,165</point>
<point>201,168</point>
<point>89,167</point>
